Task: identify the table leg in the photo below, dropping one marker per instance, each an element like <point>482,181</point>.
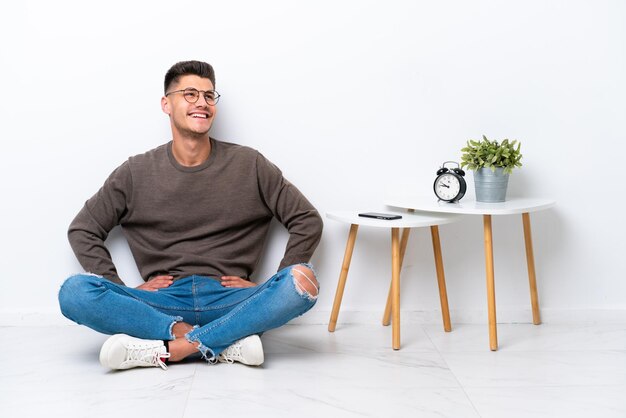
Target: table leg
<point>491,291</point>
<point>530,260</point>
<point>343,275</point>
<point>441,278</point>
<point>395,286</point>
<point>403,243</point>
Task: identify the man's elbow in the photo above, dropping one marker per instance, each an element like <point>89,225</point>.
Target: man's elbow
<point>317,226</point>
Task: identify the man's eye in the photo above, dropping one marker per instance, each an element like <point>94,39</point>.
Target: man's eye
<point>190,94</point>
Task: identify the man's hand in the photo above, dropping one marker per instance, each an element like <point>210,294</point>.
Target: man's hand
<point>234,281</point>
<point>156,283</point>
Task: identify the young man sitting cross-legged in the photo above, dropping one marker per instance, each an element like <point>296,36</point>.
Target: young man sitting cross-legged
<point>195,212</point>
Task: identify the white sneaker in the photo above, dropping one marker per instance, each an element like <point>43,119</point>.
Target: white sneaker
<point>248,351</point>
<point>122,351</point>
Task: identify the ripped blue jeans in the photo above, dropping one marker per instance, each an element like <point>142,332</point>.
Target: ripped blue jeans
<point>220,315</point>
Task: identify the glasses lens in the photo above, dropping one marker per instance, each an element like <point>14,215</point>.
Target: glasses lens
<point>191,95</point>
<point>211,97</point>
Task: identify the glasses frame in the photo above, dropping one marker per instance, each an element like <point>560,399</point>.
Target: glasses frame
<point>209,101</point>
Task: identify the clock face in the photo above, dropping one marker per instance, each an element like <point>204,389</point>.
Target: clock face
<point>447,187</point>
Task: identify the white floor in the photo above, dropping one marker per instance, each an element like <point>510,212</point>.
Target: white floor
<point>539,371</point>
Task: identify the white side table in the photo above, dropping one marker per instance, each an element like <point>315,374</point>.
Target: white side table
<point>398,248</point>
<point>512,206</point>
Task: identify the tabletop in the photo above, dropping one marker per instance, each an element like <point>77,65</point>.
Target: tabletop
<point>513,205</point>
<point>409,220</point>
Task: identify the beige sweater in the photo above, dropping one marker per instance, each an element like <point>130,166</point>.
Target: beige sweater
<point>210,220</point>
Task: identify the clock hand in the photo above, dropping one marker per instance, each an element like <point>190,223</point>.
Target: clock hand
<point>445,185</point>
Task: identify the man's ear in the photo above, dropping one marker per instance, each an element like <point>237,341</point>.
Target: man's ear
<point>165,105</point>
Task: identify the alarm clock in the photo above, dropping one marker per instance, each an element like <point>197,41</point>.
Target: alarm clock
<point>450,185</point>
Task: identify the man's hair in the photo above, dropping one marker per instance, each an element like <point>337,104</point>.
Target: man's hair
<point>199,68</point>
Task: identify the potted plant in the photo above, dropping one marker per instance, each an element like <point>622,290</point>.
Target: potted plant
<point>492,162</point>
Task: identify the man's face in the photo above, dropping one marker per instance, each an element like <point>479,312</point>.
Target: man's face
<point>189,119</point>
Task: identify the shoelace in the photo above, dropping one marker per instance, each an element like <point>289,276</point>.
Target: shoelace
<point>228,356</point>
<point>147,355</point>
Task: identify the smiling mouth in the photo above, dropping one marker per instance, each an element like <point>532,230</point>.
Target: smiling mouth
<point>200,115</point>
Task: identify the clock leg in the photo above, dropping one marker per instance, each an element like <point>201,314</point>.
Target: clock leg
<point>491,291</point>
<point>342,277</point>
<point>403,243</point>
<point>530,260</point>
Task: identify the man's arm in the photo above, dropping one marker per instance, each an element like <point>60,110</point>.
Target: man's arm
<point>293,210</point>
<point>101,213</point>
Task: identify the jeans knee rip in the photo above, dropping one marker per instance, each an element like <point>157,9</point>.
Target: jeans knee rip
<point>302,291</point>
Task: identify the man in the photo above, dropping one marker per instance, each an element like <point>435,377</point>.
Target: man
<point>196,212</point>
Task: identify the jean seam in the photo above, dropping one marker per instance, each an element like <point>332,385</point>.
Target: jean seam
<point>156,305</point>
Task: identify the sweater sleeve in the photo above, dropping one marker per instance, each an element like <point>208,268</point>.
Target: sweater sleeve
<point>100,214</point>
<point>293,210</point>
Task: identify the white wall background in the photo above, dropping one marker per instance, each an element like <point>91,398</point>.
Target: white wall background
<point>353,100</point>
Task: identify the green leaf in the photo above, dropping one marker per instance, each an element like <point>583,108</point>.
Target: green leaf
<point>491,154</point>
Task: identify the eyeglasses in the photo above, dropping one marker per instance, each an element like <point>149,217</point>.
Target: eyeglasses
<point>192,95</point>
